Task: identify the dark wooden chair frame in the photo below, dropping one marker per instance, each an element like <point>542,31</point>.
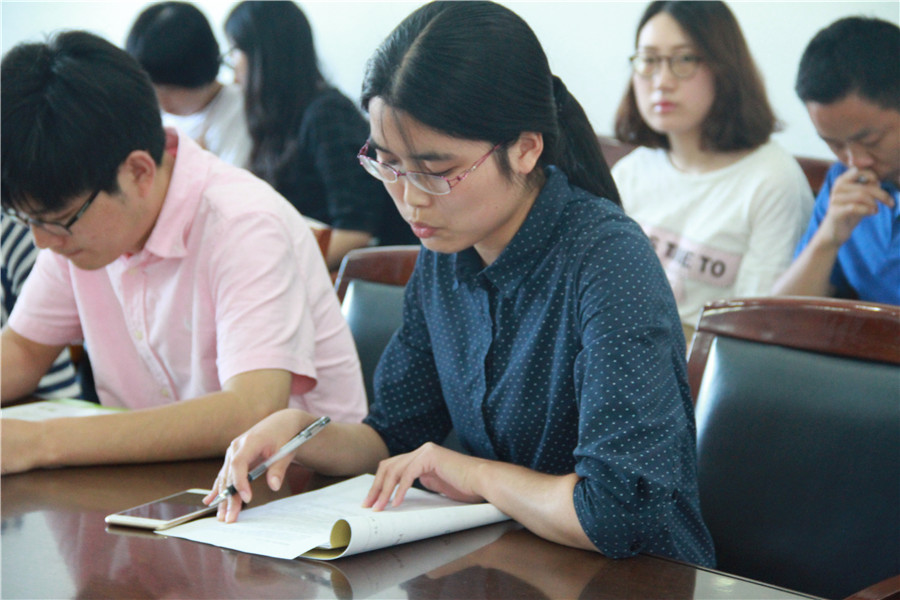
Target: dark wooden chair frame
<point>855,329</point>
<point>382,264</point>
<point>863,330</point>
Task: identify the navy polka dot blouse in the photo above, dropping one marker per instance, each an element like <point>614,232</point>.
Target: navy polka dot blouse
<point>566,354</point>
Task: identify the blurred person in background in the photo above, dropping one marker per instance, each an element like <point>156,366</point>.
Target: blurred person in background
<point>849,79</point>
<point>175,44</point>
<point>305,132</point>
<point>723,204</point>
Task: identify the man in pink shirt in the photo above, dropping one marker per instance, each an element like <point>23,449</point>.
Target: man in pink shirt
<point>199,291</point>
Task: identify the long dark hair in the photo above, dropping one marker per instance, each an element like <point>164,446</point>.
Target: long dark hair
<point>740,117</point>
<point>475,70</point>
<point>282,80</point>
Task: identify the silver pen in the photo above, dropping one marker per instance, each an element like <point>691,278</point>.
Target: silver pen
<point>291,445</point>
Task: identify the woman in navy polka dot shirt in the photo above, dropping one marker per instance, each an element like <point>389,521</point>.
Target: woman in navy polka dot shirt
<point>538,323</point>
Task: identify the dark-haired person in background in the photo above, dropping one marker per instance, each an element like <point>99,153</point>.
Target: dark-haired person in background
<point>203,311</point>
<point>537,324</point>
<point>175,44</point>
<point>723,204</point>
<point>849,79</point>
<point>305,132</point>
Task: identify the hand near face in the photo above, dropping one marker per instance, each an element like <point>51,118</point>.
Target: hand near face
<point>439,469</point>
<point>855,195</point>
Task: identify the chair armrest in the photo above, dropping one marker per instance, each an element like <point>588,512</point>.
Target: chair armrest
<point>888,589</point>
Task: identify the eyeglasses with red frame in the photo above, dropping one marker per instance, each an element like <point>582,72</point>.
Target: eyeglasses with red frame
<point>437,185</point>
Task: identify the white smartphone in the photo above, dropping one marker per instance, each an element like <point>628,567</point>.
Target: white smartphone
<point>164,513</point>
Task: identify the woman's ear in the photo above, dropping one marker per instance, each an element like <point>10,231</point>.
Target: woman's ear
<point>526,151</point>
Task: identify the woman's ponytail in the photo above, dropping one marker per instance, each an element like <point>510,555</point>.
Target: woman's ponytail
<point>577,150</point>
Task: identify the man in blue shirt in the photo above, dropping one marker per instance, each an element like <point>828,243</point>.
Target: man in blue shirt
<point>849,78</point>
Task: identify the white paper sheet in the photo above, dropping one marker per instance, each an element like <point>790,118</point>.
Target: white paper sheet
<point>295,526</point>
<point>56,408</point>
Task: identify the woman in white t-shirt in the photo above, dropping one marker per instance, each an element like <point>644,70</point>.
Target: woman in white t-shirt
<point>722,204</point>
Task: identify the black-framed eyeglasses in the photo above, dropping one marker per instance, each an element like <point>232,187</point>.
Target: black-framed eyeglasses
<point>437,185</point>
<point>54,227</point>
<point>682,65</point>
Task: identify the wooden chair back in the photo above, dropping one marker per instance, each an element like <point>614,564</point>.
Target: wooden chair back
<point>392,265</point>
<point>370,285</point>
<point>322,233</point>
<point>798,440</point>
<point>862,330</point>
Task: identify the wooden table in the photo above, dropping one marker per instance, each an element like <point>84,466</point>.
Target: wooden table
<point>55,544</point>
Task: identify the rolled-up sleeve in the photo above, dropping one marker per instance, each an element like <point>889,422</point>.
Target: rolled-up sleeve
<point>636,436</point>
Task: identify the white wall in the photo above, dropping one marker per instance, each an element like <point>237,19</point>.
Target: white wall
<point>588,43</point>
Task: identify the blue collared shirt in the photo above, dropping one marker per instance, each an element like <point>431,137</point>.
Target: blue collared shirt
<point>566,354</point>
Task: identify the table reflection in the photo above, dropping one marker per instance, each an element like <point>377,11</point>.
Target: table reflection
<point>521,565</point>
<point>55,544</point>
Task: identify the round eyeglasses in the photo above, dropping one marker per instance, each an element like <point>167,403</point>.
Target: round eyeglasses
<point>437,185</point>
<point>53,227</point>
<point>682,66</point>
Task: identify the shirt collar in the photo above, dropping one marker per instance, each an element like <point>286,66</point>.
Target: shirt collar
<point>891,189</point>
<point>527,246</point>
<point>170,232</point>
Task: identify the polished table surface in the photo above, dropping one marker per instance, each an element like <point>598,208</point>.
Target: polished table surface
<point>55,544</point>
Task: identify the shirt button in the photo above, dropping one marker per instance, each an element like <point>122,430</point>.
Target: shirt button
<point>165,393</point>
<point>138,335</point>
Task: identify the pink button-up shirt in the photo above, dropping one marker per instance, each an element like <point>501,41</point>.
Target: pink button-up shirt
<point>230,280</point>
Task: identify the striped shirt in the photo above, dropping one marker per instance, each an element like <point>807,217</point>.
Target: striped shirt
<point>16,259</point>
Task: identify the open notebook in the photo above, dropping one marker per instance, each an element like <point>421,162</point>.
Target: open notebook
<point>330,523</point>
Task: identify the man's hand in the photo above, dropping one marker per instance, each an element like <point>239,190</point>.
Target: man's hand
<point>855,195</point>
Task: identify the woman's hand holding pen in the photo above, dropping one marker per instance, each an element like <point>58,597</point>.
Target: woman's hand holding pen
<point>255,445</point>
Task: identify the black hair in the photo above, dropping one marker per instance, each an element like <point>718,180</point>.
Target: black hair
<point>71,111</point>
<point>475,70</point>
<point>740,117</point>
<point>175,44</point>
<point>283,78</point>
<point>854,55</point>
